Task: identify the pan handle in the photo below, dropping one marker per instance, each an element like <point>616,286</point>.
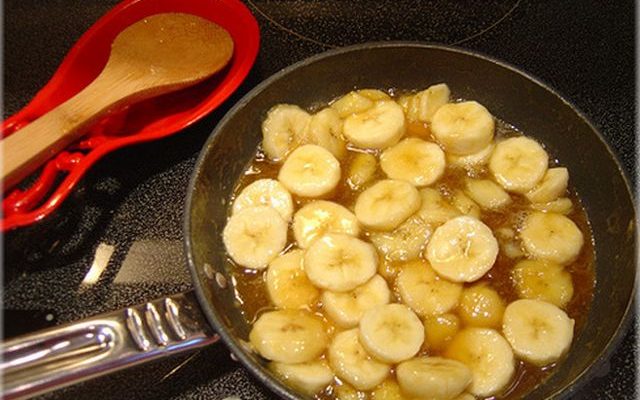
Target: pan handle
<point>71,353</point>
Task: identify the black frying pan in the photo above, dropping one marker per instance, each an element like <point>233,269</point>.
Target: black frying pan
<point>508,93</point>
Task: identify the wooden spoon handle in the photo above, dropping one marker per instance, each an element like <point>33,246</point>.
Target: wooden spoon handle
<point>28,148</point>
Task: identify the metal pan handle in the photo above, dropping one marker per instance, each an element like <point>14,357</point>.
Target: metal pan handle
<point>71,353</point>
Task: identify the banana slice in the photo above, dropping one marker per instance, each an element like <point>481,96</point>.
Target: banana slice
<point>265,192</point>
<point>538,332</point>
<point>373,94</point>
<point>282,130</point>
<point>388,390</point>
<point>563,206</point>
<point>404,243</point>
<point>309,378</point>
<point>508,244</point>
<point>321,217</point>
<point>440,329</point>
<point>287,283</point>
<point>462,250</point>
<point>481,306</point>
<point>344,391</point>
<point>426,293</point>
<point>346,309</point>
<point>423,105</point>
<point>310,171</point>
<point>473,160</point>
<point>391,333</point>
<point>488,355</point>
<point>340,262</point>
<point>361,170</point>
<point>465,205</point>
<point>465,396</point>
<point>255,236</point>
<point>543,280</point>
<point>289,336</point>
<point>487,193</point>
<point>553,185</point>
<point>552,237</point>
<point>352,103</point>
<point>358,101</point>
<point>353,364</point>
<point>518,164</point>
<point>435,209</point>
<point>325,130</point>
<point>414,160</point>
<point>434,378</point>
<point>463,128</point>
<point>387,204</point>
<point>376,128</point>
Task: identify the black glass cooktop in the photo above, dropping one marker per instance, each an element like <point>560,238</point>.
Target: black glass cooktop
<point>117,240</point>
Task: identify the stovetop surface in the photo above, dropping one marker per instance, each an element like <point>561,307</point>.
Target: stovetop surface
<point>125,217</point>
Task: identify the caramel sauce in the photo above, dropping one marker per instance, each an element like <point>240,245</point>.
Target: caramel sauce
<point>253,298</point>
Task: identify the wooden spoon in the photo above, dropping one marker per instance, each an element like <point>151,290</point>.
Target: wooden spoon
<point>156,55</point>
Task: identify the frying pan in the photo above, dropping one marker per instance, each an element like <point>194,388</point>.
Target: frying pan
<point>71,353</point>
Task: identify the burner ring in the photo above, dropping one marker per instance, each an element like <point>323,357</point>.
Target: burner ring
<point>439,21</point>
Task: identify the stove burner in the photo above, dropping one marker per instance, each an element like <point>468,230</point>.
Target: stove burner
<point>435,21</point>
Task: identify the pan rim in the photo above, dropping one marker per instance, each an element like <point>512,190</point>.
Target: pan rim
<point>232,342</point>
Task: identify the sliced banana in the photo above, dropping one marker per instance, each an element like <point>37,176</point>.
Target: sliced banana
<point>434,378</point>
<point>465,205</point>
<point>289,336</point>
<point>552,237</point>
<point>543,280</point>
<point>473,160</point>
<point>346,309</point>
<point>344,391</point>
<point>482,306</point>
<point>282,130</point>
<point>414,160</point>
<point>440,329</point>
<point>434,208</point>
<point>352,103</point>
<point>487,194</point>
<point>553,185</point>
<point>404,243</point>
<point>518,164</point>
<point>424,104</point>
<point>538,332</point>
<point>508,243</point>
<point>340,262</point>
<point>253,237</point>
<point>358,101</point>
<point>361,170</point>
<point>325,129</point>
<point>353,364</point>
<point>388,390</point>
<point>388,269</point>
<point>488,355</point>
<point>310,171</point>
<point>373,94</point>
<point>309,378</point>
<point>287,283</point>
<point>391,333</point>
<point>563,206</point>
<point>376,128</point>
<point>462,250</point>
<point>463,128</point>
<point>465,396</point>
<point>321,217</point>
<point>265,192</point>
<point>387,204</point>
<point>427,294</point>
